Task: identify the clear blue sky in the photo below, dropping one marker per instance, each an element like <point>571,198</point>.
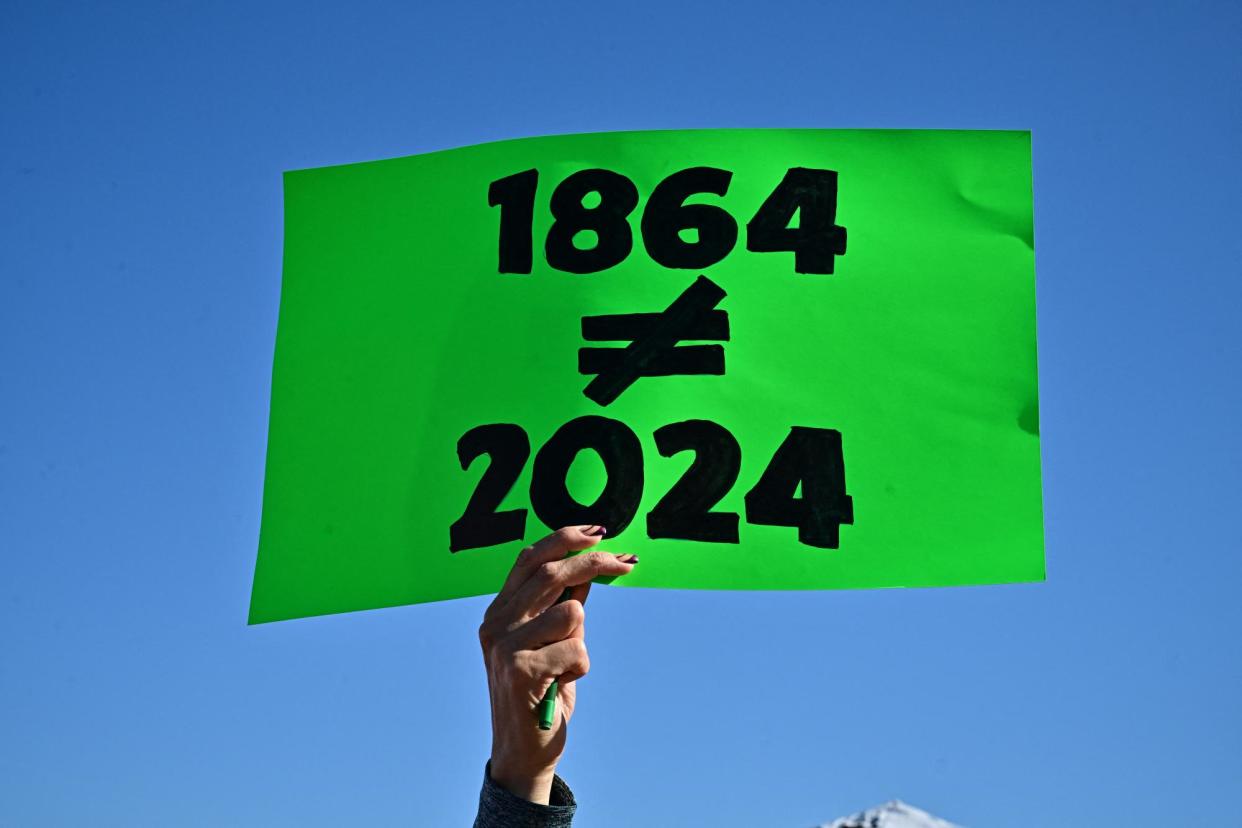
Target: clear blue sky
<point>141,149</point>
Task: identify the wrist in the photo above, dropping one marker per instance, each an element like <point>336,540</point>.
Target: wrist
<point>533,785</point>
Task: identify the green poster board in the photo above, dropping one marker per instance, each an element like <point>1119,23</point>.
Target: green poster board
<point>763,359</point>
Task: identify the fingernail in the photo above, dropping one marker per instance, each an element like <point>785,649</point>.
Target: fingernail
<point>630,559</point>
<point>597,532</point>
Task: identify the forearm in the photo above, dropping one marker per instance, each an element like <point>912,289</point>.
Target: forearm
<point>501,808</point>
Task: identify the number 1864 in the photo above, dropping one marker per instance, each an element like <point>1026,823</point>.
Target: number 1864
<point>809,194</point>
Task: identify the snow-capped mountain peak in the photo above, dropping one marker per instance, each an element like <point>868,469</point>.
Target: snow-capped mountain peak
<point>895,814</point>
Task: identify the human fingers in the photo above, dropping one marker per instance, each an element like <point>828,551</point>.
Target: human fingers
<point>565,660</point>
<point>541,589</point>
<point>550,548</point>
<point>579,593</point>
<point>559,622</point>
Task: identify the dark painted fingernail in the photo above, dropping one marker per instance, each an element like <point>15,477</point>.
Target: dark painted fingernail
<point>598,532</point>
<point>630,559</point>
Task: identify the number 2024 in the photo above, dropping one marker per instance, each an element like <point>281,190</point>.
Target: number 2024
<point>808,457</point>
<point>811,194</point>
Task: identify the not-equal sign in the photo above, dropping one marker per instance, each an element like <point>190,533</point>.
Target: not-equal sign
<point>653,350</point>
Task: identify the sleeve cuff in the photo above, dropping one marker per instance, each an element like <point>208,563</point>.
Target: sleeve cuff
<point>498,808</point>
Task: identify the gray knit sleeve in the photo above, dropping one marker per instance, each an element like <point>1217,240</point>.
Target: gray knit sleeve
<point>500,809</point>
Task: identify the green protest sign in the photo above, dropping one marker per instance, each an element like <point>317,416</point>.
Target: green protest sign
<point>763,359</point>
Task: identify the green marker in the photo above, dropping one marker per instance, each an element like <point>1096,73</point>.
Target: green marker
<point>547,707</point>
